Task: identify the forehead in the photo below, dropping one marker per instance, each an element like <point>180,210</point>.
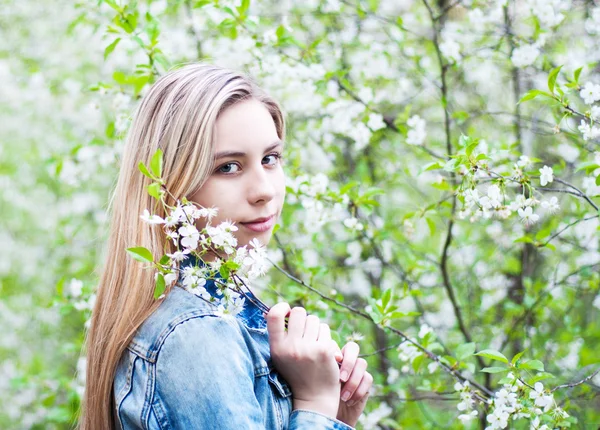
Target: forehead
<point>245,126</point>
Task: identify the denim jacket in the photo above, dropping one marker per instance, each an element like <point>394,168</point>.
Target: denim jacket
<point>188,367</point>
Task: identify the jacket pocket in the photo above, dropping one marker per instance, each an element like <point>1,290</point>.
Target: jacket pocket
<point>277,381</point>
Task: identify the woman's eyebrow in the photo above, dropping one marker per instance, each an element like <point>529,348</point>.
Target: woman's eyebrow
<point>243,154</point>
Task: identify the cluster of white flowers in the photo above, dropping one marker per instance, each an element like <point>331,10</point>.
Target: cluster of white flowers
<point>467,403</point>
<point>512,402</point>
<point>525,55</point>
<point>588,131</point>
<point>450,49</point>
<point>495,202</point>
<point>417,133</point>
<point>85,164</point>
<point>222,236</point>
<point>353,224</point>
<point>180,227</point>
<point>505,404</point>
<point>369,420</point>
<point>308,191</point>
<point>407,352</point>
<point>254,262</point>
<point>342,118</point>
<point>592,24</point>
<point>376,121</point>
<point>548,11</point>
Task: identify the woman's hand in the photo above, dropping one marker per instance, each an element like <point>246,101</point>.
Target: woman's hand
<point>305,357</point>
<point>356,383</point>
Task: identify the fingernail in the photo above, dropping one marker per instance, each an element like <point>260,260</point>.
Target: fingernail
<point>344,376</point>
<point>350,403</point>
<point>345,396</point>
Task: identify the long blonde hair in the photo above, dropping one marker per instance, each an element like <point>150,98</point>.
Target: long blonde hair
<point>178,115</point>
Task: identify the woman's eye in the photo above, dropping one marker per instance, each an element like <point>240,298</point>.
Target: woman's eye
<point>272,159</point>
<point>228,168</point>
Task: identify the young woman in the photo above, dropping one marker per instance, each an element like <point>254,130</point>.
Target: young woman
<point>175,363</point>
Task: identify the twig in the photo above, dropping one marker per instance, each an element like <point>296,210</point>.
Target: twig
<point>574,384</point>
<point>558,233</point>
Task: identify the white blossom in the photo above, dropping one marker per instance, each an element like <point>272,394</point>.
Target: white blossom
<point>540,398</point>
<point>417,133</point>
<point>527,215</point>
<point>353,223</point>
<point>222,236</point>
<point>190,236</point>
<point>450,49</point>
<point>590,93</point>
<point>588,131</point>
<point>525,55</point>
<point>375,121</point>
<point>75,287</point>
<point>492,199</point>
<point>551,205</point>
<point>151,219</point>
<point>546,175</point>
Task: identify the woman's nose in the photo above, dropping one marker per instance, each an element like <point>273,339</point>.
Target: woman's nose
<point>261,188</point>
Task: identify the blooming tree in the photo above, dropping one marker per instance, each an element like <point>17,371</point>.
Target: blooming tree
<point>442,208</point>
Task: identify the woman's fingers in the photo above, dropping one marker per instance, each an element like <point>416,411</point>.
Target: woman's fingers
<point>324,333</point>
<point>276,321</point>
<point>350,353</point>
<point>311,329</point>
<point>362,392</point>
<point>350,387</point>
<point>297,322</point>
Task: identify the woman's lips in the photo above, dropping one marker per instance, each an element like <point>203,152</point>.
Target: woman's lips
<point>260,227</point>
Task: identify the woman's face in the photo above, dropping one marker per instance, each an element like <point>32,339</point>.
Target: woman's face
<point>247,183</point>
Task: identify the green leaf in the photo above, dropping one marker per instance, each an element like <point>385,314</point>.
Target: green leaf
<point>494,369</point>
<point>110,48</point>
<point>577,74</point>
<point>588,166</point>
<point>471,148</point>
<point>201,3</point>
<point>494,355</point>
<point>533,365</point>
<point>460,116</point>
<point>530,95</point>
<point>431,225</point>
<point>243,7</point>
<point>387,297</point>
<point>164,260</point>
<point>464,141</point>
<point>142,167</point>
<point>156,163</point>
<point>540,377</point>
<point>160,286</point>
<point>431,166</point>
<point>418,362</point>
<point>347,187</point>
<point>141,254</point>
<point>224,271</point>
<point>397,314</point>
<point>524,239</point>
<point>552,78</point>
<point>465,350</point>
<point>598,180</point>
<point>154,190</point>
<point>516,357</point>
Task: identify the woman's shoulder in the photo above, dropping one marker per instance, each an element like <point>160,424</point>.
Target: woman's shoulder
<point>179,307</point>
